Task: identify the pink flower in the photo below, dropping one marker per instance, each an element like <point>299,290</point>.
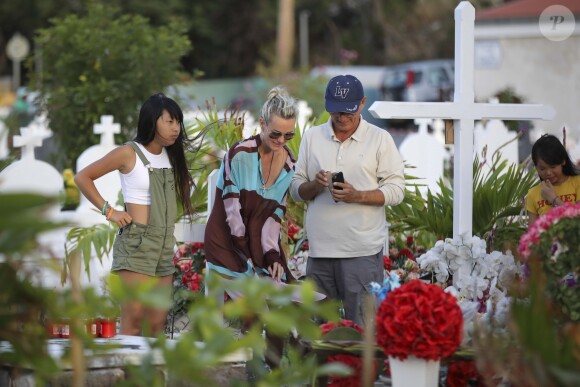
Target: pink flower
<point>542,223</point>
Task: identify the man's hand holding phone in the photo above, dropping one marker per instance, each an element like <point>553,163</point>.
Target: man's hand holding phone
<point>337,191</point>
<point>338,177</point>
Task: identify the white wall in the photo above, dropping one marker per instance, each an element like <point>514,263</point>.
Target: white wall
<point>540,70</point>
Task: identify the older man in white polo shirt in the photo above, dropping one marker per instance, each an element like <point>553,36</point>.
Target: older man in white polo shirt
<point>345,222</point>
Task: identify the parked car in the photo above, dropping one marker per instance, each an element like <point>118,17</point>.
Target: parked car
<point>423,81</point>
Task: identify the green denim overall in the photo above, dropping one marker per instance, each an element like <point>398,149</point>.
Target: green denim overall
<point>148,248</point>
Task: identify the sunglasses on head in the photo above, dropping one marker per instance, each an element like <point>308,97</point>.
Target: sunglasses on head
<point>274,135</point>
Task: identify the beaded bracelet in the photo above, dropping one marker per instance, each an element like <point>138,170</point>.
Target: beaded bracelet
<point>554,202</point>
<point>104,209</point>
<point>109,213</point>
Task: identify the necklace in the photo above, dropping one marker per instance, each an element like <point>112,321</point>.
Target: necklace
<point>269,171</point>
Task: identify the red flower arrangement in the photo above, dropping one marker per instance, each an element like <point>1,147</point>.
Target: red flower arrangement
<point>189,261</point>
<point>351,361</point>
<point>462,373</point>
<point>387,263</point>
<point>421,320</point>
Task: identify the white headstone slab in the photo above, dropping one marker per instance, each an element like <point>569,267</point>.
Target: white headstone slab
<point>195,232</point>
<point>4,152</point>
<point>28,174</point>
<point>575,150</point>
<point>251,125</point>
<point>463,111</point>
<point>439,130</point>
<point>497,138</point>
<point>108,185</point>
<point>422,151</point>
<point>304,114</point>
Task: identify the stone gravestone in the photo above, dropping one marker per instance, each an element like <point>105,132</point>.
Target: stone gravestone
<point>304,115</point>
<point>426,154</point>
<point>4,152</point>
<point>495,137</point>
<point>575,150</point>
<point>439,130</point>
<point>29,175</point>
<point>109,186</point>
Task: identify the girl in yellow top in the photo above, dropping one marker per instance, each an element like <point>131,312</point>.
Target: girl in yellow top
<point>560,180</point>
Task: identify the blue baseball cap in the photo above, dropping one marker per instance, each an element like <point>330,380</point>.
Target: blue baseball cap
<point>344,94</point>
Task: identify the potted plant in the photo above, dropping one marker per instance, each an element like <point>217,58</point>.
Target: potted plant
<point>417,325</point>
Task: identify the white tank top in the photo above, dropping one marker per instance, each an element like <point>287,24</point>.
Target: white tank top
<point>135,184</point>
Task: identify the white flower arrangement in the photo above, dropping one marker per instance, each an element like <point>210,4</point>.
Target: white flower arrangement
<point>480,280</point>
<point>297,264</point>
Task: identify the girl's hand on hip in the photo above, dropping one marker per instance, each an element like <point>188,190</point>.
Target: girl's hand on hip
<point>121,218</point>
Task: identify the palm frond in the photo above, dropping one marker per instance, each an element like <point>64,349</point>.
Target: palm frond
<point>84,240</point>
<point>498,191</point>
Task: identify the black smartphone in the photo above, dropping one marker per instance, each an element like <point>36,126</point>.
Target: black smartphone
<point>338,177</point>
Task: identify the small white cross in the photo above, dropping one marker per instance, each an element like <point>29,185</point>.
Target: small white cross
<point>27,140</point>
<point>107,129</point>
<point>463,111</point>
<point>423,124</point>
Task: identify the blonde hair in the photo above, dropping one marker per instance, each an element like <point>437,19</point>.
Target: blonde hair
<point>279,103</point>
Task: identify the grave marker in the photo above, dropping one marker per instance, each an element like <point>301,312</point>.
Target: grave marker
<point>464,111</point>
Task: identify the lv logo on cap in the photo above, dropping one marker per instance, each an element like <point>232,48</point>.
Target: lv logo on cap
<point>341,92</point>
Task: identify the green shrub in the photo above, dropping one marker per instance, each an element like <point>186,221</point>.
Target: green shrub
<point>102,63</point>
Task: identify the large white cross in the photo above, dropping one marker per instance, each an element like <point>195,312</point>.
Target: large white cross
<point>107,129</point>
<point>463,111</point>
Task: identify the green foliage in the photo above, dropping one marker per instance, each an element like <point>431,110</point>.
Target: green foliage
<point>380,32</point>
<point>210,341</point>
<point>497,201</point>
<point>537,349</point>
<point>86,240</point>
<point>20,223</point>
<point>100,64</point>
<point>22,303</point>
<point>211,136</point>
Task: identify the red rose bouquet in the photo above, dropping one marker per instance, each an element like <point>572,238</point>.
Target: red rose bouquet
<point>419,319</point>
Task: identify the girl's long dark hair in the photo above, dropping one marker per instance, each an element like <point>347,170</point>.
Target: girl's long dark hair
<point>150,112</point>
<point>549,149</point>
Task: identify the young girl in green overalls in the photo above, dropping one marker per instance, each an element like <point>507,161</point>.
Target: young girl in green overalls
<point>154,176</point>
